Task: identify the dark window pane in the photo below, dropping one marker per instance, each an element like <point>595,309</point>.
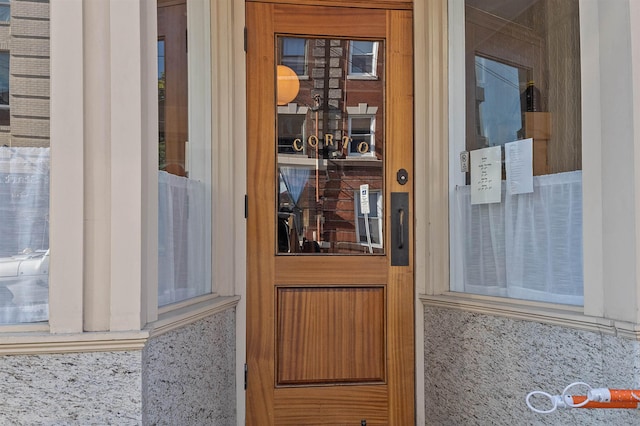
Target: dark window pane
<point>293,54</point>
<point>362,57</point>
<point>5,11</point>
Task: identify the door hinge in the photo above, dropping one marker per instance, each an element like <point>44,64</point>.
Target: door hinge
<point>245,39</point>
<point>245,377</point>
<point>246,206</point>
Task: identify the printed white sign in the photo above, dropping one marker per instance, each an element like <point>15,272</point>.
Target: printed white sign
<point>364,199</point>
<point>518,157</point>
<point>486,168</point>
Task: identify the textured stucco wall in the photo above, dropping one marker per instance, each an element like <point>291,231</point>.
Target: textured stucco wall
<point>71,389</point>
<point>188,375</point>
<point>479,369</point>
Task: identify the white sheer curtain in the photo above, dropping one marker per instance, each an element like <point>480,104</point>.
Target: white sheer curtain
<point>24,235</point>
<point>183,270</point>
<point>527,247</point>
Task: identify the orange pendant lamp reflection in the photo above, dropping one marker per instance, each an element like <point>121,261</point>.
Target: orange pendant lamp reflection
<point>288,85</point>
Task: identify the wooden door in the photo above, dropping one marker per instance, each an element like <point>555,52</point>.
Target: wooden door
<point>330,290</point>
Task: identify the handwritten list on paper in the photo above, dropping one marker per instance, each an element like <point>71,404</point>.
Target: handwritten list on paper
<point>518,157</point>
<point>486,167</point>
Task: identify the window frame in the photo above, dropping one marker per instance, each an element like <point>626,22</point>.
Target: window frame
<point>606,80</point>
<point>198,154</point>
<point>353,149</point>
<point>373,74</point>
<point>459,74</point>
<point>226,165</point>
<point>298,112</point>
<point>117,308</point>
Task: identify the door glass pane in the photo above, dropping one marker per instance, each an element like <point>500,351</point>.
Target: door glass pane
<point>330,147</point>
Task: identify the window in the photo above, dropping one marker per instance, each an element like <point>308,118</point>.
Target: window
<point>5,116</point>
<point>24,231</point>
<point>294,54</point>
<point>363,58</point>
<point>362,132</point>
<point>24,180</point>
<point>291,132</point>
<point>369,227</point>
<point>184,151</point>
<point>499,117</point>
<point>330,140</point>
<point>521,84</point>
<point>5,10</point>
<point>162,143</point>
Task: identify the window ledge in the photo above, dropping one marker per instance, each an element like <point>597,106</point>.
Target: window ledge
<point>188,314</point>
<point>29,343</point>
<point>362,77</point>
<point>36,339</point>
<point>561,315</point>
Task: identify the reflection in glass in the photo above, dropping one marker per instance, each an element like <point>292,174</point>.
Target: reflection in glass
<point>369,226</point>
<point>330,140</point>
<point>5,10</point>
<point>363,58</point>
<point>511,54</point>
<point>184,152</point>
<point>24,166</point>
<point>5,117</point>
<point>162,145</point>
<point>499,112</point>
<point>293,54</point>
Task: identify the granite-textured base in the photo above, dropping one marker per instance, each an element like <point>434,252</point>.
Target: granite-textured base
<point>188,375</point>
<point>479,369</point>
<point>184,377</point>
<point>71,389</point>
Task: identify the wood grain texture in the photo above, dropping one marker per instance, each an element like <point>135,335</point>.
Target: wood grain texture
<point>314,270</point>
<point>339,405</point>
<point>367,4</point>
<point>328,21</point>
<point>400,312</point>
<point>283,298</point>
<point>261,238</point>
<point>330,335</point>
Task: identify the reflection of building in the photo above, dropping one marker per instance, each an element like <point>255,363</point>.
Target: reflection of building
<point>24,160</point>
<point>24,73</point>
<point>338,118</point>
<point>346,96</point>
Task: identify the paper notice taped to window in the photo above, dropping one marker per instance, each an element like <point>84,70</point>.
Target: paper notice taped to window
<point>518,157</point>
<point>486,168</point>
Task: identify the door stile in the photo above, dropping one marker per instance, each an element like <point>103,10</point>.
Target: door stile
<point>260,268</point>
<point>400,338</point>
